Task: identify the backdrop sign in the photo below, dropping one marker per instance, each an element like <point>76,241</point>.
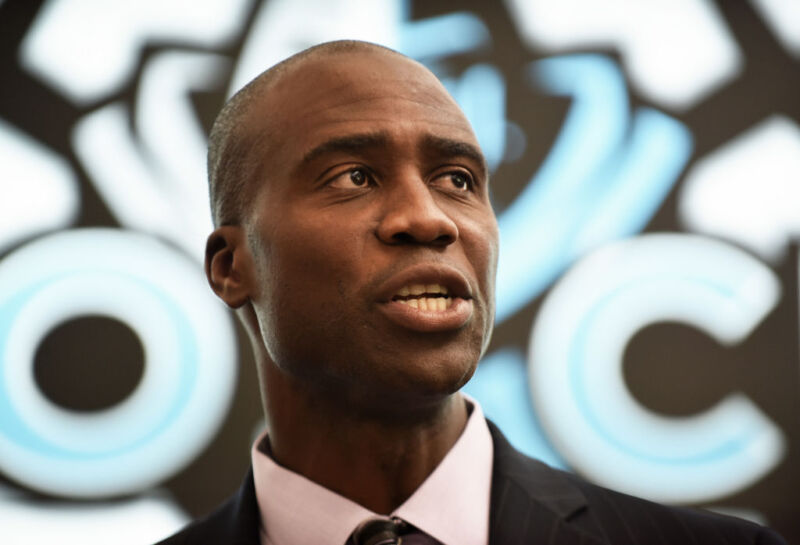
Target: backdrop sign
<point>645,163</point>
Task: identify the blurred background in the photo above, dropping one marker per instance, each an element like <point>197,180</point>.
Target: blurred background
<point>645,160</point>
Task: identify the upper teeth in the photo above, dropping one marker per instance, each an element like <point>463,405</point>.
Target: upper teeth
<point>419,289</point>
<point>419,296</point>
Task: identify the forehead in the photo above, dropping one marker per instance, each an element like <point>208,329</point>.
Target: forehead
<point>354,93</point>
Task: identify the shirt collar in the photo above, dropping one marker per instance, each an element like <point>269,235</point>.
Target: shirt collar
<point>448,506</point>
<point>452,504</point>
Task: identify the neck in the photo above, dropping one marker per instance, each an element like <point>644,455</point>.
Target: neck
<point>377,460</point>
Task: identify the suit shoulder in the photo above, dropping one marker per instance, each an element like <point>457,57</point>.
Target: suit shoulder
<point>640,519</point>
<point>216,527</point>
<point>600,514</point>
<point>234,522</point>
<point>204,530</point>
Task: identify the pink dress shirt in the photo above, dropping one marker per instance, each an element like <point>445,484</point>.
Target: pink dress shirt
<point>452,505</point>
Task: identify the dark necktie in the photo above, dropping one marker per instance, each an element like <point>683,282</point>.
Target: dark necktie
<point>389,531</point>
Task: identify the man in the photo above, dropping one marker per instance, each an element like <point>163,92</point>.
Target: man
<point>357,243</point>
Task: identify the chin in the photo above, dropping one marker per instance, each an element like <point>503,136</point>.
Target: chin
<point>432,374</point>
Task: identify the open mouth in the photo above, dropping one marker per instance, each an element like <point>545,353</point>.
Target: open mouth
<point>431,297</point>
<point>428,299</point>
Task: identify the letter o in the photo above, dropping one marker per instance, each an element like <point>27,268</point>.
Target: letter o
<point>188,380</point>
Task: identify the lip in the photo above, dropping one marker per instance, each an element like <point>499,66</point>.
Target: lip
<point>452,318</point>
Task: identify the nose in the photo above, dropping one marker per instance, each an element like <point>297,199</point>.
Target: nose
<point>411,215</point>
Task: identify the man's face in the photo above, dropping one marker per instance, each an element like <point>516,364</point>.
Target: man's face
<point>374,241</point>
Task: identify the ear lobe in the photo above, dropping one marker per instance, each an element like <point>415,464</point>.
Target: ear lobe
<point>229,265</point>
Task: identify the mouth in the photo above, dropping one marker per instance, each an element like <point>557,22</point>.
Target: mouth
<point>428,299</point>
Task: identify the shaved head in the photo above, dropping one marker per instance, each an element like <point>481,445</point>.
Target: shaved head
<point>231,163</point>
<point>338,177</point>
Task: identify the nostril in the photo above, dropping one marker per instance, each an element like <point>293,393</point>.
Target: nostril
<point>444,240</point>
<point>403,238</point>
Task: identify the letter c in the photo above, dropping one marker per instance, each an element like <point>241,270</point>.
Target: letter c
<point>576,380</point>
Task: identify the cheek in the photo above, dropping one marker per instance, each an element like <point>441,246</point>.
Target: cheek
<point>481,240</point>
<point>308,286</point>
<point>482,245</point>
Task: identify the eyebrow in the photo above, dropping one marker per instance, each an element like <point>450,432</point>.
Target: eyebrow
<point>456,148</point>
<point>347,144</point>
<point>358,143</point>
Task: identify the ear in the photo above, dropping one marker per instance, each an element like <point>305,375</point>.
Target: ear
<point>229,265</point>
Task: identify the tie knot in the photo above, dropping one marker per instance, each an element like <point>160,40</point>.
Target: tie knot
<point>379,531</point>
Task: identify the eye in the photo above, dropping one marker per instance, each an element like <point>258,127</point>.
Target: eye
<point>461,181</point>
<point>358,177</point>
<point>353,177</point>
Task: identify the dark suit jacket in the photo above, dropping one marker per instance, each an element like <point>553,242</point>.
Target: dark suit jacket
<point>531,504</point>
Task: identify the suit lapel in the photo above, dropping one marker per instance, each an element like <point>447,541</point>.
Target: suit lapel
<point>532,503</point>
<point>241,516</point>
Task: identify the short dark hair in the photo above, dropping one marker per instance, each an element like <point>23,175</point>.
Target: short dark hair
<point>230,165</point>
